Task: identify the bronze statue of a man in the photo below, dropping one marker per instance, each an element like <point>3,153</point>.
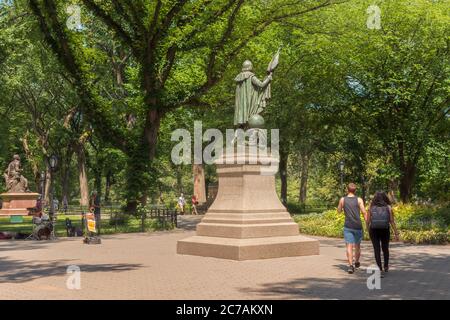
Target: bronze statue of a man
<point>251,94</point>
<point>15,181</point>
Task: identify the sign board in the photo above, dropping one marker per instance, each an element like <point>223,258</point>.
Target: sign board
<point>90,221</point>
<point>91,227</point>
<point>16,219</point>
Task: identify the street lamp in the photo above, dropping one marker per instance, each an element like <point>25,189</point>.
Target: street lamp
<point>42,185</point>
<point>341,169</point>
<point>53,163</point>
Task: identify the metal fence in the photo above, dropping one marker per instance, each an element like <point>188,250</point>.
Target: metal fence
<point>115,216</point>
<point>164,216</point>
<point>79,210</point>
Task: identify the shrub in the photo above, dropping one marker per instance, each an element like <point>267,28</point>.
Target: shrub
<point>297,208</point>
<point>421,218</point>
<point>416,224</point>
<point>427,236</point>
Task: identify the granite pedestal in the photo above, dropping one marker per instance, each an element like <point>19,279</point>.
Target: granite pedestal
<point>247,220</point>
<point>17,204</point>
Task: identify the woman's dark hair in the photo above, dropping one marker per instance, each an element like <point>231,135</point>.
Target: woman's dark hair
<point>380,199</point>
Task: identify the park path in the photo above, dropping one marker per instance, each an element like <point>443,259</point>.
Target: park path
<point>146,266</point>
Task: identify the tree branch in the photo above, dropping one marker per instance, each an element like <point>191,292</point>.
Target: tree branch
<point>122,12</point>
<point>220,45</point>
<point>172,13</point>
<point>170,59</point>
<point>113,24</point>
<point>153,24</point>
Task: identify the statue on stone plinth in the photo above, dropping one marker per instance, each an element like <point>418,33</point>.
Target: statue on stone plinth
<point>252,94</point>
<point>14,180</point>
<point>247,220</point>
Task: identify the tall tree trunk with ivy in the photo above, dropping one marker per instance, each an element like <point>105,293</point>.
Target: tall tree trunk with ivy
<point>82,175</point>
<point>283,175</point>
<point>304,174</point>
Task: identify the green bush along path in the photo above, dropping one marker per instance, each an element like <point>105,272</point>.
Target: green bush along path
<point>417,224</point>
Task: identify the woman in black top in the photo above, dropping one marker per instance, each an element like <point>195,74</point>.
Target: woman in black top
<point>379,217</point>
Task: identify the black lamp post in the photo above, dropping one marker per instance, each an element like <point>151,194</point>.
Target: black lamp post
<point>341,169</point>
<point>42,185</point>
<point>53,163</point>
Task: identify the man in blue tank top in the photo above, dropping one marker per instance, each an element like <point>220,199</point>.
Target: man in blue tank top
<point>353,230</point>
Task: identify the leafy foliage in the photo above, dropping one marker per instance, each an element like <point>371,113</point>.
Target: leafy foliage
<point>110,93</point>
<point>416,224</point>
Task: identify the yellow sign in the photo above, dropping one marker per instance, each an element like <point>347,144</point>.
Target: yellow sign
<point>90,218</point>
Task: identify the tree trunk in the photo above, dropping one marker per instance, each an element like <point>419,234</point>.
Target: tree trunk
<point>65,183</point>
<point>144,198</point>
<point>82,175</point>
<point>108,184</point>
<point>392,188</point>
<point>151,130</point>
<point>199,182</point>
<point>131,206</point>
<point>31,159</point>
<point>98,177</point>
<point>139,162</point>
<point>407,181</point>
<point>48,184</point>
<point>283,176</point>
<point>179,177</point>
<point>363,187</point>
<point>408,173</point>
<point>65,174</point>
<point>304,177</point>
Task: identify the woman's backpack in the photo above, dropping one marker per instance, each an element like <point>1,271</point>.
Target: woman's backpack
<point>380,217</point>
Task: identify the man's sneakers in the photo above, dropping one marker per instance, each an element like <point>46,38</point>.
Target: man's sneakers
<point>351,269</point>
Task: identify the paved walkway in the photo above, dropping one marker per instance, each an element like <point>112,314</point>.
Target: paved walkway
<point>146,266</point>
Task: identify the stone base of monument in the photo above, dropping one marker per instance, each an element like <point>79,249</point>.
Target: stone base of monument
<point>17,204</point>
<point>248,249</point>
<point>247,220</point>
